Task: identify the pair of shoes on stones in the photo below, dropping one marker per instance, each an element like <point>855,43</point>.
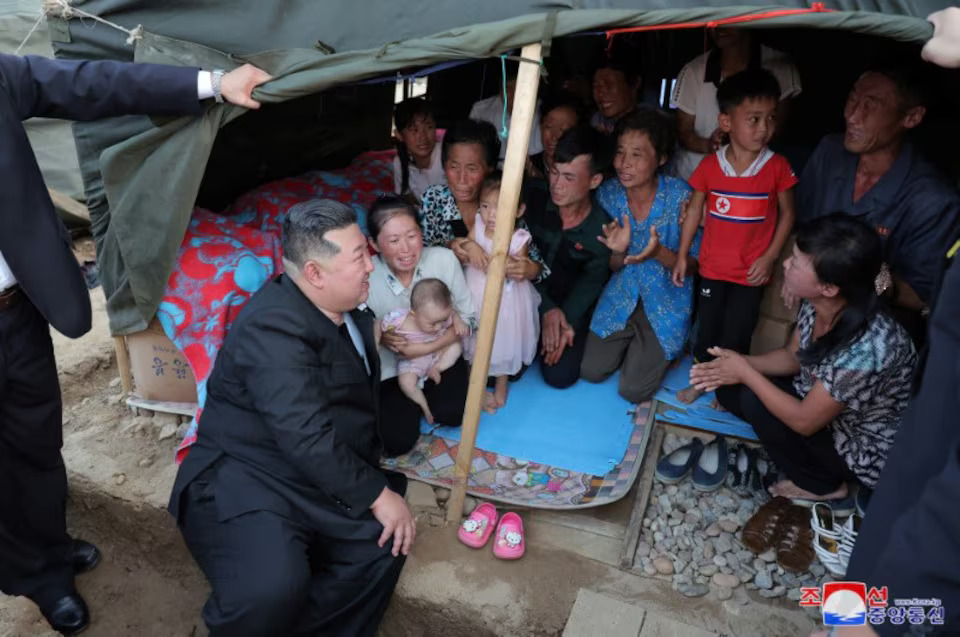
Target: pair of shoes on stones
<point>783,526</point>
<point>751,473</point>
<point>707,464</point>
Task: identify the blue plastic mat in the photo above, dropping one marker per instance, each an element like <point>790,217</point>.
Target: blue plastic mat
<point>699,415</point>
<point>583,428</point>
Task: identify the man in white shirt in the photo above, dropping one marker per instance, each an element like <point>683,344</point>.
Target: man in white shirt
<point>41,286</point>
<point>695,93</point>
<point>491,110</point>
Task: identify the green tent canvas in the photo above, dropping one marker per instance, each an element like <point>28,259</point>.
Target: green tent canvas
<point>143,177</point>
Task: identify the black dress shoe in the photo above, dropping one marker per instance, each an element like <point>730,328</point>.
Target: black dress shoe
<point>68,615</point>
<point>85,556</point>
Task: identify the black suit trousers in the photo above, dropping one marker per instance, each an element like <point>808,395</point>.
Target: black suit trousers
<point>34,546</point>
<point>272,575</point>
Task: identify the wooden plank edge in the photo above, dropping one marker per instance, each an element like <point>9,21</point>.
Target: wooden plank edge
<point>644,487</point>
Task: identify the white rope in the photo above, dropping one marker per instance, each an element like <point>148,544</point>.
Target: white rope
<point>65,11</point>
<point>33,29</point>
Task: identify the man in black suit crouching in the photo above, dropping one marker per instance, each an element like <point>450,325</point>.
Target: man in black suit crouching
<point>281,500</point>
<point>41,286</point>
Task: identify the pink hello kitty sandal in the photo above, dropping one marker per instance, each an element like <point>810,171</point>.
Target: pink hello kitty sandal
<point>477,528</point>
<point>509,543</point>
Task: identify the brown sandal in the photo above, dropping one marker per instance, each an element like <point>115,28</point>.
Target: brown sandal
<point>795,540</point>
<point>760,531</point>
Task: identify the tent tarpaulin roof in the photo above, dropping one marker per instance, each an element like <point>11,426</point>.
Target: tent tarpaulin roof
<point>151,175</point>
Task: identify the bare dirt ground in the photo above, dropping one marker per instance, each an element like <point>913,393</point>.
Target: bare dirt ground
<point>121,470</point>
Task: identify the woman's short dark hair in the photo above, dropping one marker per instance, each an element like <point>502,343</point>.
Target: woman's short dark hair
<point>847,253</point>
<point>656,124</point>
<point>386,208</point>
<point>472,131</point>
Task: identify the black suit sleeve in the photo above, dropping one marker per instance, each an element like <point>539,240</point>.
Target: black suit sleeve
<point>920,557</point>
<point>285,380</point>
<point>85,90</point>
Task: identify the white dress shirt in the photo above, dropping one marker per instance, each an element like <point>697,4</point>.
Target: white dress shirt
<point>204,91</point>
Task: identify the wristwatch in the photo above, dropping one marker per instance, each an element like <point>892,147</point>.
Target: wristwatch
<point>216,78</point>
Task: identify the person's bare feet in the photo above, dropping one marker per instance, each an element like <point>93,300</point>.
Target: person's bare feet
<point>489,403</point>
<point>788,489</point>
<point>434,375</point>
<point>500,391</point>
<point>688,395</point>
<point>715,404</point>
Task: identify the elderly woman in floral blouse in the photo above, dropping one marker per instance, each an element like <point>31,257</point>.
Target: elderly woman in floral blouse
<point>642,319</point>
<point>469,153</point>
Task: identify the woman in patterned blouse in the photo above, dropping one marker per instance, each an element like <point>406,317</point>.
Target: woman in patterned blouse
<point>469,154</point>
<point>642,319</point>
<point>827,406</point>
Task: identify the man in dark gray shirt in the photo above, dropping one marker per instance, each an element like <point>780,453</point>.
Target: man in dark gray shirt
<point>873,172</point>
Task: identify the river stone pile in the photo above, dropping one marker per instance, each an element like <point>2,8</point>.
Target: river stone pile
<point>694,538</point>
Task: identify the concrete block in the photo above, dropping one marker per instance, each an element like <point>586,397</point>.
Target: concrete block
<point>594,614</point>
<point>420,496</point>
<point>656,625</point>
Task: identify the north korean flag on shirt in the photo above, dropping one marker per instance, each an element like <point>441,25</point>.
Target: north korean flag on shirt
<point>741,215</point>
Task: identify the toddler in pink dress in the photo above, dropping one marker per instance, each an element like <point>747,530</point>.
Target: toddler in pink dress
<point>518,323</point>
<point>431,312</point>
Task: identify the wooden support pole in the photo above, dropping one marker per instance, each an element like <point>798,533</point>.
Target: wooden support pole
<point>123,364</point>
<point>521,123</point>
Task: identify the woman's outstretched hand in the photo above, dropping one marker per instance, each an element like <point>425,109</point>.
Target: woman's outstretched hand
<point>728,368</point>
<point>648,250</point>
<point>616,235</point>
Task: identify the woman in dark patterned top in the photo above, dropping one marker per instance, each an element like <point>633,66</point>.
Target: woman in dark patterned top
<point>469,154</point>
<point>827,406</point>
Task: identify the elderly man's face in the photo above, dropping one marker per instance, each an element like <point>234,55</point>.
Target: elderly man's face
<point>875,116</point>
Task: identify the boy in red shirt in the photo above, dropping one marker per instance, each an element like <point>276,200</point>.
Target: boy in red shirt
<point>743,185</point>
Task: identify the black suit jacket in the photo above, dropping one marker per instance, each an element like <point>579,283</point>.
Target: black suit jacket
<point>291,418</point>
<point>33,241</point>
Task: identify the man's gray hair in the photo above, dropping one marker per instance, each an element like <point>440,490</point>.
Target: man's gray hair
<point>306,225</point>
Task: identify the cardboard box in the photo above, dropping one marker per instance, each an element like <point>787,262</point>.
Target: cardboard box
<point>770,334</point>
<point>160,370</point>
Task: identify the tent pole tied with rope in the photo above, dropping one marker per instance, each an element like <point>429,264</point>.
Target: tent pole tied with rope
<point>521,123</point>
